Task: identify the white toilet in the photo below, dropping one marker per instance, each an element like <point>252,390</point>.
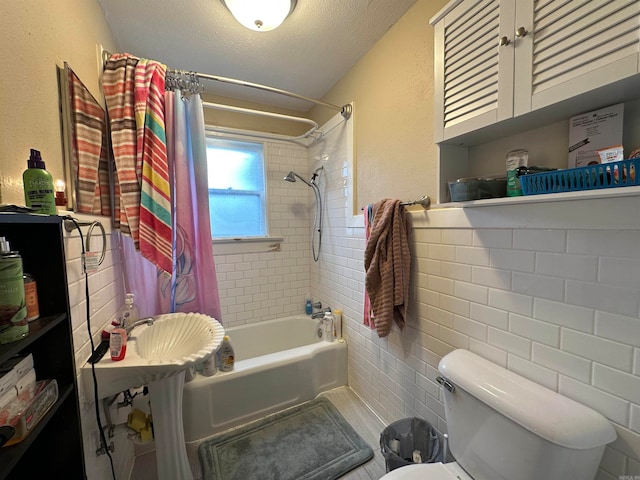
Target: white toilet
<point>504,427</point>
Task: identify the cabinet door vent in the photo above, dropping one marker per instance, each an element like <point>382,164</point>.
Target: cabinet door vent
<point>471,61</point>
<point>577,37</point>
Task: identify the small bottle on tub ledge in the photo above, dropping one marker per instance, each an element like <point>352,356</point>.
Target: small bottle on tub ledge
<point>225,353</point>
<point>337,325</point>
<point>327,327</point>
<point>308,305</point>
<point>209,365</point>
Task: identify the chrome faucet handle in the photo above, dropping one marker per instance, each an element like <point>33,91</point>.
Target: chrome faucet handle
<point>320,313</point>
<point>317,305</point>
<point>148,320</point>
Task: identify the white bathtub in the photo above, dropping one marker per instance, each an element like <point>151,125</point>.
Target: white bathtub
<point>279,363</point>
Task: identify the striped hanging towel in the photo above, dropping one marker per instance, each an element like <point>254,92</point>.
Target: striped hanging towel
<point>118,86</point>
<point>155,201</point>
<point>89,143</point>
<point>134,93</point>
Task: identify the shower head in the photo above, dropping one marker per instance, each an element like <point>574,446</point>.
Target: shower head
<point>291,177</point>
<point>317,221</point>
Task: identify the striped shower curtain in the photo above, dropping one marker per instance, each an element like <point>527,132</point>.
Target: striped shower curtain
<point>159,259</point>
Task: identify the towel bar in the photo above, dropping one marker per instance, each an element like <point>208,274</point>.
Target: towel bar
<point>424,202</point>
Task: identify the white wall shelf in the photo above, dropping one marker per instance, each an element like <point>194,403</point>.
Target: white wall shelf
<point>547,197</point>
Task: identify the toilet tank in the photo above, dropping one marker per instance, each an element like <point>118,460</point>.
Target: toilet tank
<point>502,426</point>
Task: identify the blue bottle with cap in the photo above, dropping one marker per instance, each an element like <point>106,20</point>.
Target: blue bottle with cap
<point>308,306</point>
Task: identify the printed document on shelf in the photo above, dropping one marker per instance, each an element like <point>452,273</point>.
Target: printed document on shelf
<point>593,131</point>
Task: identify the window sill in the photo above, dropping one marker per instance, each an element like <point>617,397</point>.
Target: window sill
<point>236,246</point>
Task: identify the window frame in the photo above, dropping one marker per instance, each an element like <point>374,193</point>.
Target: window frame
<point>247,244</point>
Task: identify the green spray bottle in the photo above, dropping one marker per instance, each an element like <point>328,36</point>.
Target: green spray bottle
<point>39,193</point>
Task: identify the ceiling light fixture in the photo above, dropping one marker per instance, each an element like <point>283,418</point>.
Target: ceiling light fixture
<point>260,15</point>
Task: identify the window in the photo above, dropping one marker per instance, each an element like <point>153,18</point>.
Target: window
<point>237,200</point>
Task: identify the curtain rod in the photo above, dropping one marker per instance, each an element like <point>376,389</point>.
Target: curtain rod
<point>345,110</point>
<point>231,108</point>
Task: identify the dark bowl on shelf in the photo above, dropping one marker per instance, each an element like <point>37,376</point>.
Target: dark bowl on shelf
<point>466,189</point>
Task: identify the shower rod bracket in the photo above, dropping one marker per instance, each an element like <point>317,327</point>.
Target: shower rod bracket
<point>346,111</point>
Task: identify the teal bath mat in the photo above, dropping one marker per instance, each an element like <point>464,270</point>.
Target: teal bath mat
<point>309,442</point>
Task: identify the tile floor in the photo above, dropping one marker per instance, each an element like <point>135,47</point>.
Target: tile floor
<point>352,408</point>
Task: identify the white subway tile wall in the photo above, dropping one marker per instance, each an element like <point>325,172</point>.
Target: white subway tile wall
<point>262,286</point>
<point>106,298</point>
<point>558,306</point>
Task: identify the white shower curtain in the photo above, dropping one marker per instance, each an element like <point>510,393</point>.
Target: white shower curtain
<point>195,288</point>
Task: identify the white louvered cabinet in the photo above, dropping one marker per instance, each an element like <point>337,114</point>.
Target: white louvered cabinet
<point>473,74</point>
<point>500,59</point>
<point>577,46</point>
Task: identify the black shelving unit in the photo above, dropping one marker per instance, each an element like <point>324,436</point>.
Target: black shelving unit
<point>55,444</point>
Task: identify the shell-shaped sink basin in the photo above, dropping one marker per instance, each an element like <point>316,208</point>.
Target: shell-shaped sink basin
<point>177,338</point>
<point>173,343</point>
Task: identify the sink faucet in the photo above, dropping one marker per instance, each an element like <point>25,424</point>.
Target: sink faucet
<point>149,321</point>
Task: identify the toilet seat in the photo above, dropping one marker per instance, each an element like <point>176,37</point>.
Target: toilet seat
<point>428,471</point>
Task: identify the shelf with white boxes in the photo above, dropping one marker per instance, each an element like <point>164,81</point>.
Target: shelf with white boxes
<point>56,440</point>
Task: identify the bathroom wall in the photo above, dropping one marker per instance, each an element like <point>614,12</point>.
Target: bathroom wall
<point>106,296</point>
<point>392,87</point>
<point>263,286</point>
<point>556,305</point>
<point>37,36</point>
<point>550,291</point>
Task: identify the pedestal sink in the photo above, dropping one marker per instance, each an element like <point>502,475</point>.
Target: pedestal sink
<point>158,356</point>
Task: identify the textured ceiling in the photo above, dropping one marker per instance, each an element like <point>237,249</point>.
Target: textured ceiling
<point>307,54</point>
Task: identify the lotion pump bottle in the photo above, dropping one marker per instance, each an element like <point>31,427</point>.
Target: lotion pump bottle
<point>129,312</point>
<point>39,193</point>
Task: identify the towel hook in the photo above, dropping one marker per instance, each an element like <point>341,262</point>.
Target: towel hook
<point>70,226</point>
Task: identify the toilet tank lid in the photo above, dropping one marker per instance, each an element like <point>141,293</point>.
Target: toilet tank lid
<point>540,410</point>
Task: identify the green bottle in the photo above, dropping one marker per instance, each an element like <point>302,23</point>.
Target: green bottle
<point>39,193</point>
<point>13,308</point>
